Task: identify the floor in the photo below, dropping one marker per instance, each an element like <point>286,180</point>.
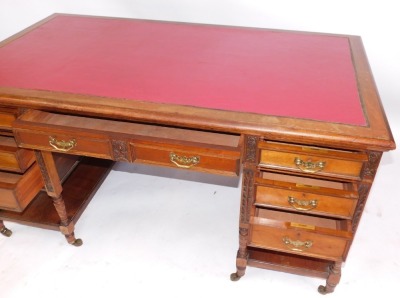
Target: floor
<point>152,232</point>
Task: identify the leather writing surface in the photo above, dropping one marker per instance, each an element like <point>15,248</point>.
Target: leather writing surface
<point>277,73</point>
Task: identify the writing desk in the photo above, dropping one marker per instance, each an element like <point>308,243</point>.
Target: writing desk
<point>295,114</point>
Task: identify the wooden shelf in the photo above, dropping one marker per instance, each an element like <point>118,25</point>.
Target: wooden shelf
<point>289,263</point>
<point>78,189</point>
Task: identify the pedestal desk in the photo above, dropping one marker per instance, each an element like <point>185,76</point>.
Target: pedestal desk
<point>296,114</point>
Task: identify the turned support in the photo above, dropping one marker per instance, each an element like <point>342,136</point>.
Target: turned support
<point>66,226</point>
<point>3,230</point>
<point>246,204</point>
<point>332,280</point>
<point>53,186</point>
<point>242,255</point>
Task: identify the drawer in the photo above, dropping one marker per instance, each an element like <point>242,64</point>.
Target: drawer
<point>306,195</point>
<point>199,158</point>
<point>126,141</point>
<point>61,133</point>
<point>302,235</point>
<point>7,116</point>
<point>311,160</point>
<point>18,190</point>
<point>65,141</point>
<point>13,158</point>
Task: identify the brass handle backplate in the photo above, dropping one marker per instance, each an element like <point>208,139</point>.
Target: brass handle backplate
<point>297,245</point>
<point>308,166</point>
<point>62,145</point>
<point>184,161</point>
<point>303,205</point>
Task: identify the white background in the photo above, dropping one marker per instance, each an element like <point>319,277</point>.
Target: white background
<point>183,242</point>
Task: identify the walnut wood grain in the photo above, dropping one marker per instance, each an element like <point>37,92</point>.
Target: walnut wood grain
<point>289,263</point>
<point>250,157</point>
<point>268,151</point>
<point>13,158</point>
<point>122,141</point>
<point>78,190</point>
<point>54,189</point>
<point>18,190</point>
<point>292,197</point>
<point>7,116</point>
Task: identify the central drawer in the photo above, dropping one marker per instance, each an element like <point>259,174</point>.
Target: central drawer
<point>299,234</point>
<point>197,157</point>
<point>205,151</point>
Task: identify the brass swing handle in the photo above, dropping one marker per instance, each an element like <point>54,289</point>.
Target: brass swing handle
<point>308,166</point>
<point>297,245</point>
<point>184,161</point>
<point>303,205</point>
<point>62,145</point>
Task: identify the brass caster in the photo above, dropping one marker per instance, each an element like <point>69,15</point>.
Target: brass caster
<point>77,242</point>
<point>322,290</point>
<point>6,232</point>
<point>235,277</point>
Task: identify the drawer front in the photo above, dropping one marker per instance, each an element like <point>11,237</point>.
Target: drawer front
<point>65,142</point>
<point>129,141</point>
<point>202,159</point>
<point>298,241</point>
<point>13,158</point>
<point>295,199</point>
<point>310,160</point>
<point>17,191</point>
<point>7,116</point>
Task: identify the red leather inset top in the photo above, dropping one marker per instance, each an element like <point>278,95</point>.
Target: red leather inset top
<point>238,69</point>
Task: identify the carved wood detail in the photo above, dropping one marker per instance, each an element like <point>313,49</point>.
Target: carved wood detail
<point>363,191</point>
<point>247,195</point>
<point>45,175</point>
<point>371,166</point>
<point>120,150</point>
<point>368,175</point>
<point>246,203</point>
<point>251,149</point>
<point>59,204</point>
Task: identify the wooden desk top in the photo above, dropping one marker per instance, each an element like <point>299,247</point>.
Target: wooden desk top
<point>240,80</point>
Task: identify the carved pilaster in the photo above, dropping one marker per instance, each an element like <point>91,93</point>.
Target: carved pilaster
<point>363,191</point>
<point>247,201</point>
<point>250,161</point>
<point>45,174</point>
<point>371,166</point>
<point>120,150</point>
<point>368,175</point>
<point>250,149</point>
<point>243,234</point>
<point>247,195</point>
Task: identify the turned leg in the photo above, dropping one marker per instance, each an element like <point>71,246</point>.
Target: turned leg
<point>66,226</point>
<point>53,188</point>
<point>246,206</point>
<point>332,280</point>
<point>3,230</point>
<point>242,255</point>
